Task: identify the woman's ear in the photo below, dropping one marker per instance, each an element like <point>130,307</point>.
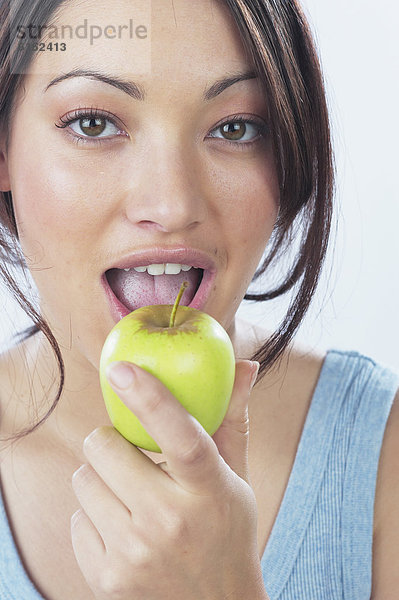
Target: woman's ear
<point>5,185</point>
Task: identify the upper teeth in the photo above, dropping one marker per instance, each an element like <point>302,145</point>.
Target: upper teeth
<point>160,269</point>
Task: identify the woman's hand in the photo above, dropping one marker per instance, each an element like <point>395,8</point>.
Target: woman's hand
<point>184,529</point>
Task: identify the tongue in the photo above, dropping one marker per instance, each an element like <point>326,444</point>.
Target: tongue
<point>135,289</point>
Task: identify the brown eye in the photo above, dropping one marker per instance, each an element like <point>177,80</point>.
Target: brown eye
<point>242,131</point>
<point>92,126</point>
<point>234,131</point>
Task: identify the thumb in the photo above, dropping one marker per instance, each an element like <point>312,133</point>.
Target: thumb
<point>233,434</point>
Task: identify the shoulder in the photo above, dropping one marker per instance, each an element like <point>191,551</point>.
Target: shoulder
<point>293,376</point>
<point>385,572</point>
<point>298,369</point>
<point>280,401</point>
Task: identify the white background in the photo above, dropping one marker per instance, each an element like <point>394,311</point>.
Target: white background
<point>356,304</point>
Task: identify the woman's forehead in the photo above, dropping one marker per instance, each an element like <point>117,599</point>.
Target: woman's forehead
<point>158,38</point>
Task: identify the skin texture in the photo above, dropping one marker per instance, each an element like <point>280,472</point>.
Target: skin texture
<point>175,185</point>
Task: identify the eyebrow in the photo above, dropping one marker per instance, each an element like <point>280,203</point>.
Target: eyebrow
<point>138,93</point>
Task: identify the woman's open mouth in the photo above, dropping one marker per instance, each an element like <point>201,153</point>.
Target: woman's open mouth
<point>129,289</point>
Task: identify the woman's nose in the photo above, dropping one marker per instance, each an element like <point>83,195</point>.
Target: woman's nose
<point>167,193</point>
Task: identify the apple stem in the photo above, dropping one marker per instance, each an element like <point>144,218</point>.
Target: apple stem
<point>176,304</point>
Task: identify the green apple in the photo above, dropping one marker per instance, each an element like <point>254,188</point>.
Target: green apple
<point>187,349</point>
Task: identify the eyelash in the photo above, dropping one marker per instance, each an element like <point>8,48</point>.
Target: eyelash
<point>94,113</point>
<point>91,113</point>
<point>258,123</point>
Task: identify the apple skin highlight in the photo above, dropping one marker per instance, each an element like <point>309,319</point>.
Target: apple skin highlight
<point>194,359</point>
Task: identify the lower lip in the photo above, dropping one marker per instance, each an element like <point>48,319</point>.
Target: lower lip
<point>119,310</point>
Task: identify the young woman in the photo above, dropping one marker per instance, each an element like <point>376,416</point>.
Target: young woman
<point>207,146</point>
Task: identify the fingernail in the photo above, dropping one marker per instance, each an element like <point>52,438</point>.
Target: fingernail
<point>120,375</point>
<point>255,370</point>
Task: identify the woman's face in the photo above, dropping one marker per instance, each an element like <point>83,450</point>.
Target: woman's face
<point>157,172</point>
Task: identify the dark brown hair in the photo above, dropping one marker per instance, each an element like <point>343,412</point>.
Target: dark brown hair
<point>277,36</point>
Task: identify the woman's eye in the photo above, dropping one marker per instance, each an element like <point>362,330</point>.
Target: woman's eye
<point>241,131</point>
<point>85,126</point>
<point>94,127</point>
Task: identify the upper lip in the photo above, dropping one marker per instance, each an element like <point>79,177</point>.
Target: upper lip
<point>179,255</point>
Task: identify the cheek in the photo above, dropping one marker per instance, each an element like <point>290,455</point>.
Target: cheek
<point>55,203</point>
<point>249,198</point>
<point>58,218</point>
